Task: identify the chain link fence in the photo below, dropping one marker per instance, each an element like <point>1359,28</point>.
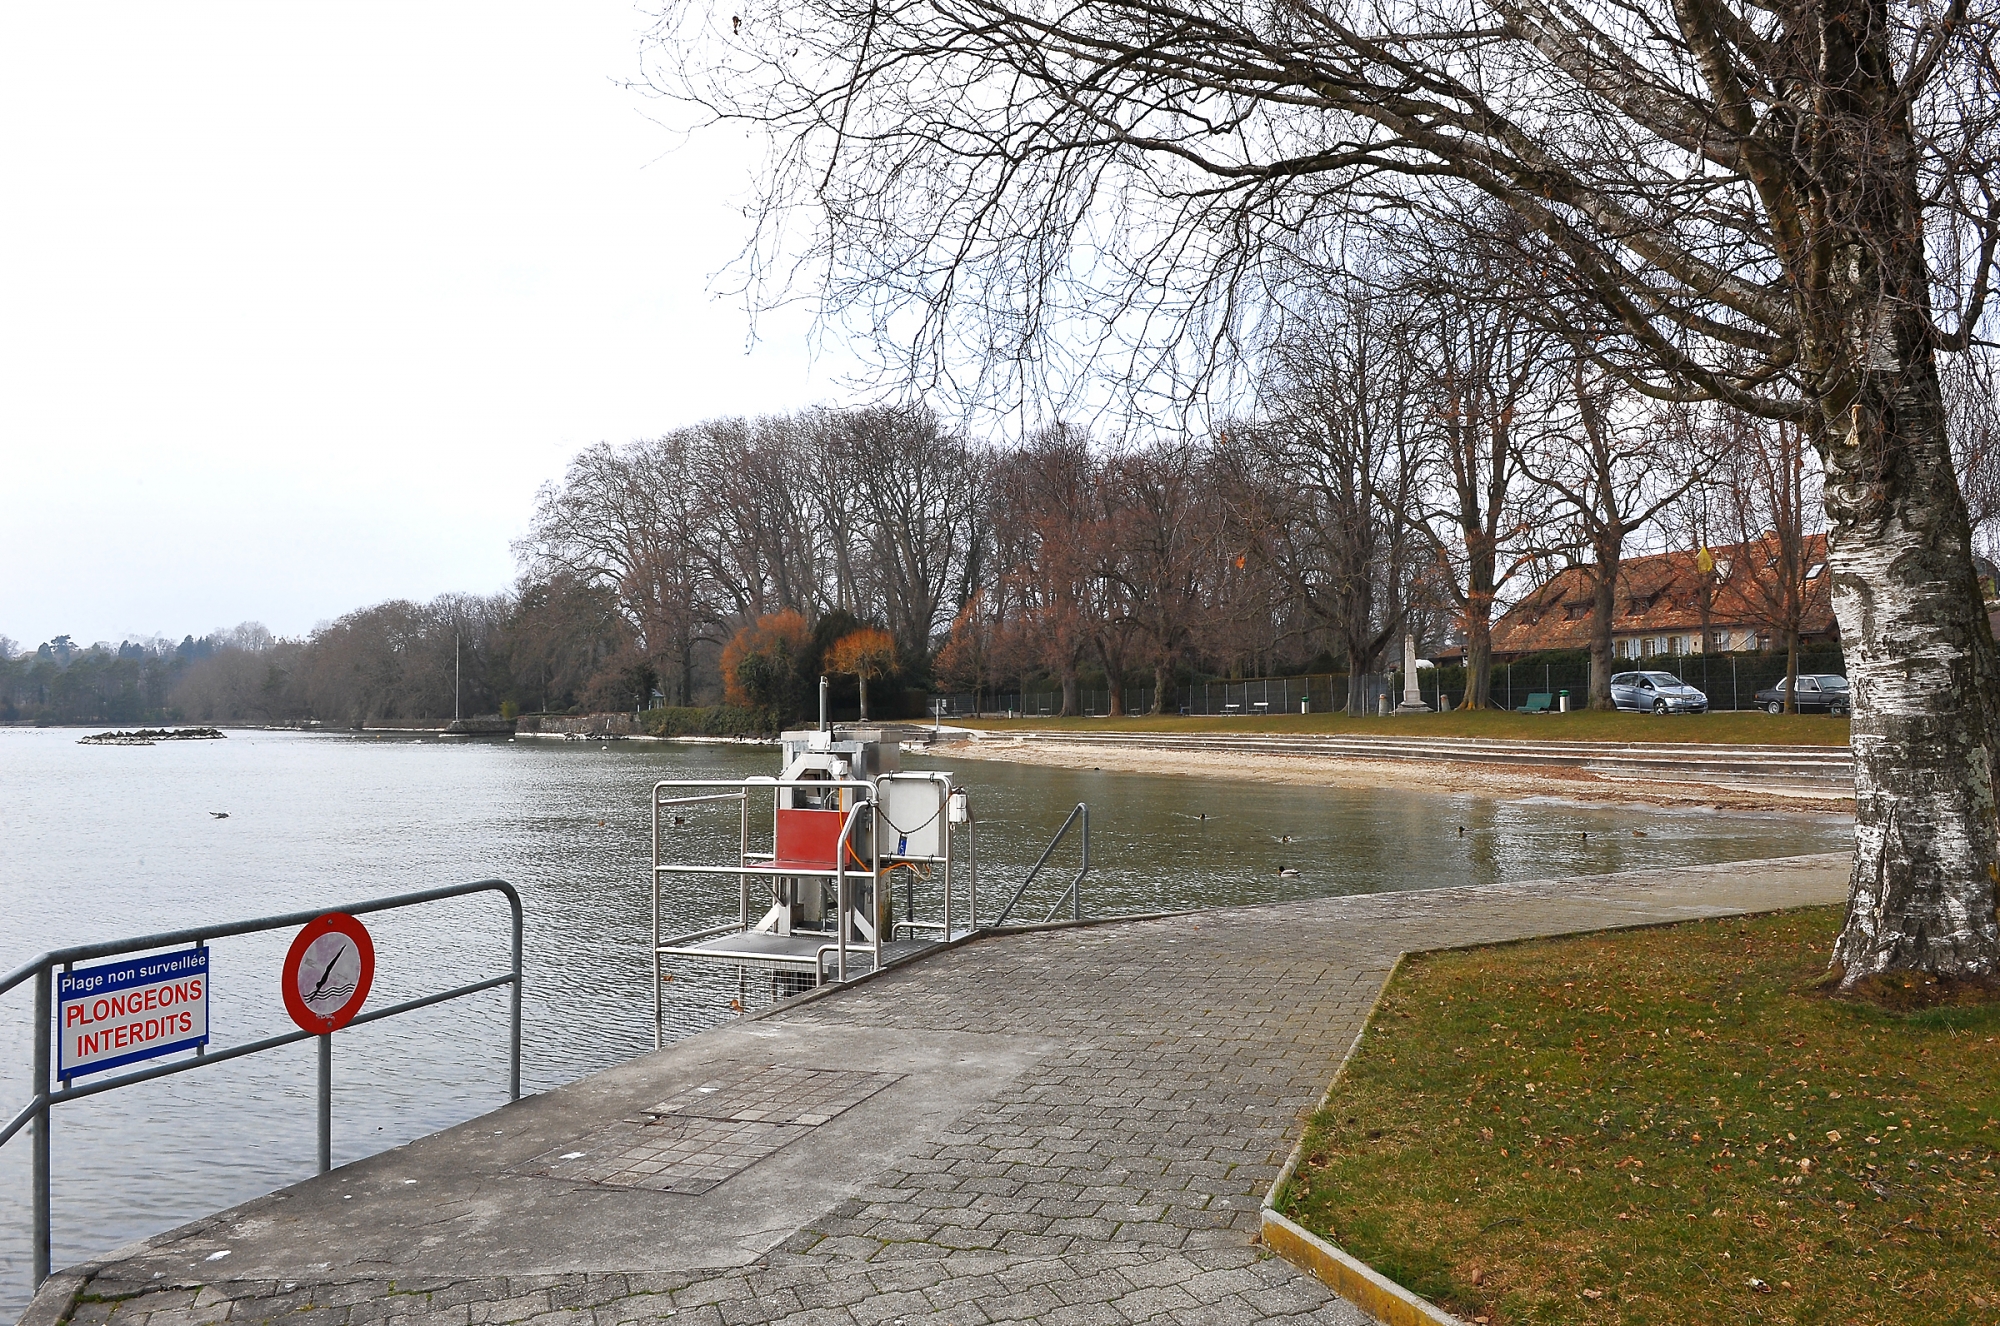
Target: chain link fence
<point>1731,681</point>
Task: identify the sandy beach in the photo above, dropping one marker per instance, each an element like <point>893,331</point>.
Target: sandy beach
<point>1582,786</point>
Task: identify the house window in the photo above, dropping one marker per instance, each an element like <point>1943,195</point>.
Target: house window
<point>1721,639</point>
<point>1721,568</point>
<point>1574,612</point>
<point>1813,571</point>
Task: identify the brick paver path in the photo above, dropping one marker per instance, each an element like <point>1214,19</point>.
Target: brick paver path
<point>1117,1180</point>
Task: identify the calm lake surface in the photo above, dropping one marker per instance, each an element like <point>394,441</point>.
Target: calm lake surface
<point>100,843</point>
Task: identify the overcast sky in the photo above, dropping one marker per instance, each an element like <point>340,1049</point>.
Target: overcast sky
<point>301,302</point>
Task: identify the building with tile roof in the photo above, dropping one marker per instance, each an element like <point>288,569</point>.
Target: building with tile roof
<point>1656,609</point>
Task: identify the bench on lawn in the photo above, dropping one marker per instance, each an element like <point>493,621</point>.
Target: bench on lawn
<point>1539,703</point>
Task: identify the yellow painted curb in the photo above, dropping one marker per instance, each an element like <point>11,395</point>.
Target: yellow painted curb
<point>1357,1282</point>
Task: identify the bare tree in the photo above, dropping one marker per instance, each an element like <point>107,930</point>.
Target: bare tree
<point>1043,493</point>
<point>1614,474</point>
<point>1162,541</point>
<point>637,520</point>
<point>1971,385</point>
<point>1490,369</point>
<point>1772,488</point>
<point>919,479</point>
<point>561,631</point>
<point>1328,498</point>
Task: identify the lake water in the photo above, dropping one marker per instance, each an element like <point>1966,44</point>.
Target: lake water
<point>102,842</point>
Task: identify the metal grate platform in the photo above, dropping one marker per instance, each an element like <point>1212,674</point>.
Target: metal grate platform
<point>757,949</point>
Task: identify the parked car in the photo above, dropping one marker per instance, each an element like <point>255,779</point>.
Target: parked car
<point>1818,694</point>
<point>1656,693</point>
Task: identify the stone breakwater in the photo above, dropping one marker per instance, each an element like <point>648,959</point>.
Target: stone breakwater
<point>147,736</point>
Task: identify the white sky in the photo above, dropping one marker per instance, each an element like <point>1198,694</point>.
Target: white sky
<point>301,302</point>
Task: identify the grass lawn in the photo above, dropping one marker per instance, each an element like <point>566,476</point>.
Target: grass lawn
<point>1724,728</point>
<point>1665,1126</point>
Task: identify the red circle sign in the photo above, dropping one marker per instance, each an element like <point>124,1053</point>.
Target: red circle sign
<point>328,972</point>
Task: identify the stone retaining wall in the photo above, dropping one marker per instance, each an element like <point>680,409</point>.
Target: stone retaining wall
<point>582,725</point>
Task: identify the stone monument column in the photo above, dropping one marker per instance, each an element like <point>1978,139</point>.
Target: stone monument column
<point>1413,696</point>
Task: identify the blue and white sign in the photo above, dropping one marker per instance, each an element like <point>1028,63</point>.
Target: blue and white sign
<point>126,1011</point>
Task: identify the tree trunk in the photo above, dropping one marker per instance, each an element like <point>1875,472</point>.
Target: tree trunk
<point>1478,662</point>
<point>1357,663</point>
<point>1925,677</point>
<point>1603,601</point>
<point>1070,707</point>
<point>864,698</point>
<point>1707,601</point>
<point>1791,670</point>
<point>1114,679</point>
<point>1163,677</point>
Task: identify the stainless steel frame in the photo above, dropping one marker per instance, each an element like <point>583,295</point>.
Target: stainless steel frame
<point>42,969</point>
<point>671,794</point>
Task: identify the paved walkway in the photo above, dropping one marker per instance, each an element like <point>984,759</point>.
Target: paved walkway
<point>1063,1126</point>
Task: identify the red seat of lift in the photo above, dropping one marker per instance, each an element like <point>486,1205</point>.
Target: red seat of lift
<point>807,840</point>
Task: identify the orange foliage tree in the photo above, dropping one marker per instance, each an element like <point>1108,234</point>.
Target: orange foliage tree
<point>760,662</point>
<point>966,661</point>
<point>868,652</point>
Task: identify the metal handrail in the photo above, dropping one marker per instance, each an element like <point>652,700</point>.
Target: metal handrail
<point>1074,893</point>
<point>42,968</point>
<point>842,917</point>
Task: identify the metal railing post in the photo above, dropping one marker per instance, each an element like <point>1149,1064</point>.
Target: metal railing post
<point>1081,810</point>
<point>659,998</point>
<point>514,998</point>
<point>325,1040</point>
<point>44,1027</point>
<point>1076,885</point>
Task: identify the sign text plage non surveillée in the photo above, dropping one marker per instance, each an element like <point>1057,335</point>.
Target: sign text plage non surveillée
<point>122,1012</point>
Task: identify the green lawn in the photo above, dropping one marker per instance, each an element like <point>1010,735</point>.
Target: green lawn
<point>1723,728</point>
<point>1665,1126</point>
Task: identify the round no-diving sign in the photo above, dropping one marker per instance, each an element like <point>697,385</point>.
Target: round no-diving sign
<point>328,972</point>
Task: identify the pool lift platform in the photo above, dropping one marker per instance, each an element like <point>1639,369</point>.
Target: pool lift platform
<point>819,853</point>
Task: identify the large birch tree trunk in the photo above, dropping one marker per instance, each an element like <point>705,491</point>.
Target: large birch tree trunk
<point>1921,656</point>
<point>1925,677</point>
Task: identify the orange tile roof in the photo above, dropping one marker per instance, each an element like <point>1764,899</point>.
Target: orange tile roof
<point>1660,594</point>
